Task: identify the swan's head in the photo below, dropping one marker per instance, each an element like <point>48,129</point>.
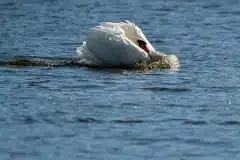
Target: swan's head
<point>135,34</point>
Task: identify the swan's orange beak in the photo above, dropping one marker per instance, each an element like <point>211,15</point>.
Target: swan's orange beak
<point>143,45</point>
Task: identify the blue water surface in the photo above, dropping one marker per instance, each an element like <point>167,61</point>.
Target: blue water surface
<point>49,113</point>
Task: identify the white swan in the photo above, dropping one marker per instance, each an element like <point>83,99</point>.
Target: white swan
<point>117,44</point>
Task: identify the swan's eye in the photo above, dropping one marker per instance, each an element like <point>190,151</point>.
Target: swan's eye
<point>143,45</point>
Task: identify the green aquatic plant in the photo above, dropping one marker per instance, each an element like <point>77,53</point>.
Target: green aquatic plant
<point>167,62</point>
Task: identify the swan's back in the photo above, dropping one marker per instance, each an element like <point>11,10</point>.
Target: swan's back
<point>108,45</point>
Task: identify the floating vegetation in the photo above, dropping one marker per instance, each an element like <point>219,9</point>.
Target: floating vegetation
<point>25,62</point>
<point>41,63</point>
<point>168,62</point>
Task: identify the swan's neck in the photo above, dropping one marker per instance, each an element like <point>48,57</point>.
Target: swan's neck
<point>156,56</point>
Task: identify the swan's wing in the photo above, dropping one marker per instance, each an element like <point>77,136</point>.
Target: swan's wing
<point>86,57</point>
<point>112,47</point>
<point>132,31</point>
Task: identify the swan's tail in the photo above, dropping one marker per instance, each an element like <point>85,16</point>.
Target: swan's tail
<point>87,58</point>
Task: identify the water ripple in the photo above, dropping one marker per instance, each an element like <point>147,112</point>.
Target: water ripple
<point>55,109</point>
<point>88,120</point>
<point>195,122</point>
<point>164,89</point>
<point>230,123</point>
<point>120,121</point>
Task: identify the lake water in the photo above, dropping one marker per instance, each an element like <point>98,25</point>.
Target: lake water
<point>71,112</point>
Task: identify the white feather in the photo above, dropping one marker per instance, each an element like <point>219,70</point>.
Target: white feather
<point>113,44</point>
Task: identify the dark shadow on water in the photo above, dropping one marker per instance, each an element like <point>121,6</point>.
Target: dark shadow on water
<point>117,121</point>
<point>128,121</point>
<point>229,123</point>
<point>165,89</point>
<point>195,122</point>
<point>88,120</point>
